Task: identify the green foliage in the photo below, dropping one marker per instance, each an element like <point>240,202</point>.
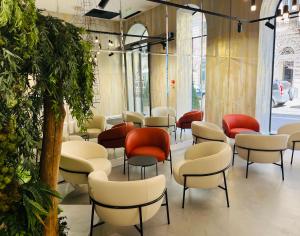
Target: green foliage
<point>64,71</point>
<point>29,211</point>
<point>57,57</point>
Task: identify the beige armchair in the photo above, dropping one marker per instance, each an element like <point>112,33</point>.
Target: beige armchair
<point>163,122</point>
<point>206,131</point>
<point>95,126</point>
<point>293,130</point>
<point>79,158</point>
<point>126,203</point>
<point>256,148</point>
<point>164,111</point>
<point>204,166</point>
<point>134,117</point>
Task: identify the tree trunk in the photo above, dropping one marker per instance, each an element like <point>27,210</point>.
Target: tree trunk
<point>50,158</point>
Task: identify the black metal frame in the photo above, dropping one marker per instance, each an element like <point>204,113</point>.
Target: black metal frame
<point>263,150</point>
<point>143,173</point>
<point>140,229</point>
<point>293,150</point>
<point>208,139</point>
<point>205,175</point>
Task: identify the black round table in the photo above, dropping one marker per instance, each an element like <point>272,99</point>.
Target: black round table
<point>143,162</point>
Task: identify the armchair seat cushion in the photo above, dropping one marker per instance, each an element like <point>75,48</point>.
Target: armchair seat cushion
<point>93,132</point>
<point>234,132</point>
<point>101,164</point>
<point>156,152</point>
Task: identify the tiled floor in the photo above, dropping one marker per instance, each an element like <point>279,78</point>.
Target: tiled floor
<point>260,205</point>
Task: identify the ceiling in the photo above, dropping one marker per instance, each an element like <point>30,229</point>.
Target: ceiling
<point>79,6</point>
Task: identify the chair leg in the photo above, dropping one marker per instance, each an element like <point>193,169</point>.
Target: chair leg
<point>225,188</point>
<point>180,133</point>
<point>175,129</point>
<point>92,219</point>
<point>167,206</point>
<point>233,153</point>
<point>171,162</point>
<point>141,221</point>
<point>282,171</point>
<point>293,150</point>
<point>124,172</point>
<point>184,189</point>
<point>248,157</point>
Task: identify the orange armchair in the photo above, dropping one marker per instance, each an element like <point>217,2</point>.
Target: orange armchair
<point>186,120</point>
<point>233,124</point>
<point>115,137</point>
<point>148,142</point>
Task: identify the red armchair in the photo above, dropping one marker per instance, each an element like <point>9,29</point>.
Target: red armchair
<point>148,141</point>
<point>186,120</point>
<point>236,123</point>
<point>233,124</point>
<point>115,137</point>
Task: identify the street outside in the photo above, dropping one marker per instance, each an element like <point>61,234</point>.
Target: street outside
<point>288,113</point>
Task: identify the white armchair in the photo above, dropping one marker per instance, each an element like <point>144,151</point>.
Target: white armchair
<point>163,122</point>
<point>134,117</point>
<point>79,158</point>
<point>126,203</point>
<point>204,166</point>
<point>256,148</point>
<point>95,126</point>
<point>205,131</point>
<point>293,130</point>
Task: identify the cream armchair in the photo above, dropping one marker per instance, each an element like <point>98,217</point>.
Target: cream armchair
<point>204,166</point>
<point>134,117</point>
<point>95,126</point>
<point>79,158</point>
<point>293,130</point>
<point>126,203</point>
<point>206,131</point>
<point>163,122</point>
<point>256,148</point>
<point>164,111</point>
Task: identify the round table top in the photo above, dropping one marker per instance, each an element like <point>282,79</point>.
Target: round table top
<point>142,161</point>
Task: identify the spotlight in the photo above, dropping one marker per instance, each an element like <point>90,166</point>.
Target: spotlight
<point>286,13</point>
<point>103,3</point>
<point>110,43</point>
<point>270,25</point>
<point>278,15</point>
<point>253,5</point>
<point>294,5</point>
<point>96,40</point>
<point>239,27</point>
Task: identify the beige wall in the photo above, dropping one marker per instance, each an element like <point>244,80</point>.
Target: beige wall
<point>231,61</point>
<point>231,58</point>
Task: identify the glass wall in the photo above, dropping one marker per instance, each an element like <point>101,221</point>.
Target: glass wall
<point>286,79</point>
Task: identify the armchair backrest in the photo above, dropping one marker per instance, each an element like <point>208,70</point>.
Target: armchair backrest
<point>163,111</point>
<point>206,131</point>
<point>263,148</point>
<point>135,117</point>
<point>232,121</point>
<point>141,137</point>
<point>293,130</point>
<point>206,158</point>
<point>98,122</point>
<point>159,121</point>
<point>83,149</point>
<point>191,116</point>
<point>115,193</point>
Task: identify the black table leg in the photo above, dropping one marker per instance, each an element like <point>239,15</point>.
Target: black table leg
<point>156,169</point>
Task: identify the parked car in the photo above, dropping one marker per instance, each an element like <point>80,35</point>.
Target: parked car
<point>282,92</point>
